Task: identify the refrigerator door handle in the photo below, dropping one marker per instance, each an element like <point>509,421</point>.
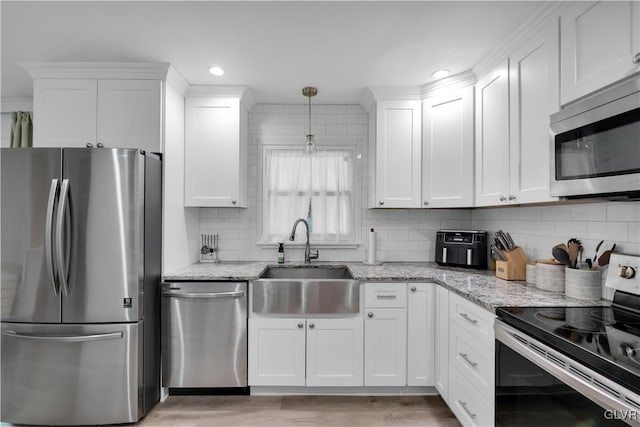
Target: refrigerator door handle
<point>59,248</point>
<point>66,338</point>
<point>48,230</point>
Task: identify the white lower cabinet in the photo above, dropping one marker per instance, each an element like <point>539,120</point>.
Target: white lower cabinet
<point>305,352</point>
<point>398,337</point>
<point>334,352</point>
<point>441,367</point>
<point>471,362</point>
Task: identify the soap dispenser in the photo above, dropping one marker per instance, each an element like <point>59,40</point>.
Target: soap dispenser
<point>280,253</point>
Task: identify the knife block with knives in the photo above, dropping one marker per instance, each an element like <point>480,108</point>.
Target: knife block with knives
<point>512,261</point>
<point>515,266</point>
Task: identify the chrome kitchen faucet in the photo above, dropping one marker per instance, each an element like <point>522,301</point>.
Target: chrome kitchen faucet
<point>308,253</point>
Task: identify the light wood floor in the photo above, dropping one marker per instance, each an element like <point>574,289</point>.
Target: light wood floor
<point>307,411</point>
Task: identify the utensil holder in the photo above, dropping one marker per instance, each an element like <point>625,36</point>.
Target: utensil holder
<point>550,276</point>
<point>583,284</point>
<point>514,268</point>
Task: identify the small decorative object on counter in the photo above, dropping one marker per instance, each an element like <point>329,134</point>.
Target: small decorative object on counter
<point>550,276</point>
<point>583,284</point>
<point>280,253</point>
<point>209,249</point>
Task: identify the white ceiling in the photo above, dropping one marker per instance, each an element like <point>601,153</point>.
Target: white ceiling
<point>275,48</point>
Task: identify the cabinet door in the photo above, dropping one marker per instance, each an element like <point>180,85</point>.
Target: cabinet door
<point>492,137</point>
<point>64,112</point>
<point>334,352</point>
<point>534,97</point>
<point>130,114</point>
<point>385,347</point>
<point>447,150</point>
<point>442,342</point>
<point>277,351</point>
<point>213,153</point>
<point>420,334</point>
<point>598,43</point>
<point>398,154</point>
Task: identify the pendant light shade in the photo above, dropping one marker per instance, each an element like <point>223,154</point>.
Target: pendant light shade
<point>310,145</point>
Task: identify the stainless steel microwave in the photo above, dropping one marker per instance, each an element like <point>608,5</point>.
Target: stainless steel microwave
<point>596,145</point>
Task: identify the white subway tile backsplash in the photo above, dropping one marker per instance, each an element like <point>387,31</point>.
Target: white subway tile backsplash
<point>403,234</point>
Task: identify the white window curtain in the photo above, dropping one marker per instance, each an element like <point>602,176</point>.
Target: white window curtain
<point>318,188</point>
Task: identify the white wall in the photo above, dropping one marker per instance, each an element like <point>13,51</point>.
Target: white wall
<point>180,224</point>
<point>5,130</point>
<point>404,235</point>
<point>538,228</point>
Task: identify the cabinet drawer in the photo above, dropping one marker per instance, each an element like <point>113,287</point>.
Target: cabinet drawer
<point>387,295</point>
<point>473,318</point>
<point>473,358</point>
<point>467,402</point>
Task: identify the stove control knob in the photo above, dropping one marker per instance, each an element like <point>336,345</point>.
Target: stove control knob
<point>627,272</point>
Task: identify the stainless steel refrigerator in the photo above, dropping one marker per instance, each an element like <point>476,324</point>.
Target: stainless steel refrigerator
<point>81,250</point>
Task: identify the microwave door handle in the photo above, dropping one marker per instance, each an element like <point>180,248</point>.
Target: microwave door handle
<point>59,246</point>
<point>48,236</point>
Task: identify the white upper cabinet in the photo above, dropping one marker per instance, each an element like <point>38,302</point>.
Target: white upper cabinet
<point>397,147</point>
<point>513,105</point>
<point>534,92</point>
<point>216,151</point>
<point>600,44</point>
<point>492,137</point>
<point>118,105</point>
<point>447,149</point>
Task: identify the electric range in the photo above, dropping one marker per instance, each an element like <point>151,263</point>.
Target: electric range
<point>573,365</point>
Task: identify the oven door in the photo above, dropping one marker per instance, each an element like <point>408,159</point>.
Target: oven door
<point>536,385</point>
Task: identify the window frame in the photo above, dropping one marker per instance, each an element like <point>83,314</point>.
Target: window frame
<point>357,183</point>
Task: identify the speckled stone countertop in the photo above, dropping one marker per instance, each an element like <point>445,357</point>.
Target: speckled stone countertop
<point>479,286</point>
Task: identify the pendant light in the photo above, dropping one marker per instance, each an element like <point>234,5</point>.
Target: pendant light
<point>311,143</point>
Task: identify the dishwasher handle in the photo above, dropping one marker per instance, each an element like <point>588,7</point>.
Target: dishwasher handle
<point>180,294</point>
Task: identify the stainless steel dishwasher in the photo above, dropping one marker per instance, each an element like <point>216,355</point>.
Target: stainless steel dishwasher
<point>204,334</point>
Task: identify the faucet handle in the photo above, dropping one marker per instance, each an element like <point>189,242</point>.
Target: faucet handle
<point>313,253</point>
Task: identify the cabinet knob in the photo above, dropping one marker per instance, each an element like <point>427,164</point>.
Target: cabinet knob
<point>300,325</point>
<point>413,289</point>
<point>512,197</point>
<point>311,325</point>
<point>381,203</point>
<point>370,314</point>
<point>425,203</point>
<point>636,58</point>
<point>233,202</point>
<point>89,145</point>
<point>100,145</point>
<point>502,198</point>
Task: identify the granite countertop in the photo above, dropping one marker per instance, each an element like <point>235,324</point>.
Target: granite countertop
<point>479,286</point>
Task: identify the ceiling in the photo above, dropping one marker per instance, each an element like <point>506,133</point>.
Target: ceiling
<point>274,48</point>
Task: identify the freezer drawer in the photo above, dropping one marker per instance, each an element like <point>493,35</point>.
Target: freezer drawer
<point>71,374</point>
<point>204,334</point>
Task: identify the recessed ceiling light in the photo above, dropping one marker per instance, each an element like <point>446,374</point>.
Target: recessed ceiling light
<point>440,74</point>
<point>216,71</point>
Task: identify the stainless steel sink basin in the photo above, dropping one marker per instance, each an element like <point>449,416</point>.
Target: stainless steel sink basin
<point>306,290</point>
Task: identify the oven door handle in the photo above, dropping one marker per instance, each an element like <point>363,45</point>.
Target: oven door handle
<point>587,382</point>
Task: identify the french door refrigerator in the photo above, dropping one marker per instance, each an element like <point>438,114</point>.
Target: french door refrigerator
<point>81,249</point>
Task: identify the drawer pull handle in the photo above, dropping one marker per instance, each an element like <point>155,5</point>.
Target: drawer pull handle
<point>464,406</point>
<point>466,359</point>
<point>386,296</point>
<point>466,317</point>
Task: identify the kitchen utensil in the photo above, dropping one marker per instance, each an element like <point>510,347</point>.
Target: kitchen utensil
<point>503,240</point>
<point>604,258</point>
<point>497,254</point>
<point>510,240</point>
<point>561,255</point>
<point>204,249</point>
<point>573,250</point>
<point>595,256</point>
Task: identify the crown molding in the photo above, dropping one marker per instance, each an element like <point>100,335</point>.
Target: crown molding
<point>175,80</point>
<point>456,81</point>
<point>548,11</point>
<point>9,105</point>
<point>395,93</point>
<point>97,70</point>
<point>241,92</point>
